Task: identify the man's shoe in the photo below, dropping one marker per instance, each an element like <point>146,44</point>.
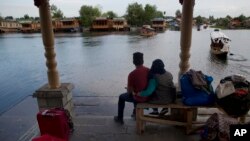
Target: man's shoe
<point>118,120</point>
<point>154,113</point>
<point>163,111</point>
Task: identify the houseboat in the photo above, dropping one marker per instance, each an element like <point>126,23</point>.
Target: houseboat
<point>147,31</point>
<point>66,25</point>
<point>219,43</point>
<point>205,26</point>
<point>120,24</point>
<point>30,26</point>
<point>159,24</point>
<point>102,24</point>
<point>9,26</point>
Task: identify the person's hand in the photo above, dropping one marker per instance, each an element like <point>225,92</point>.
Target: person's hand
<point>134,93</point>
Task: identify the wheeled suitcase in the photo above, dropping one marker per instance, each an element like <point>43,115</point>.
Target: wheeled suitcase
<point>54,122</point>
<point>47,137</point>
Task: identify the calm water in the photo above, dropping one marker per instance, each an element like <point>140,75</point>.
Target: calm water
<point>98,64</point>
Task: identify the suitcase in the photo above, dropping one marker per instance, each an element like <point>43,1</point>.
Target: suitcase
<point>54,122</point>
<point>47,137</point>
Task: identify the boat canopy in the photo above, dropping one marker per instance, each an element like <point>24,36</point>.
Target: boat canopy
<point>216,36</point>
<point>147,27</point>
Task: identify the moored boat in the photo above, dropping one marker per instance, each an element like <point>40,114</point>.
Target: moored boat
<point>147,31</point>
<point>219,43</point>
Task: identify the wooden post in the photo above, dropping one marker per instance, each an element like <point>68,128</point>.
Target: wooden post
<point>186,34</point>
<point>185,42</point>
<point>48,41</point>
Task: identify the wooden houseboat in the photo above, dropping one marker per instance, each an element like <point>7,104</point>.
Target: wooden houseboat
<point>120,24</point>
<point>101,24</point>
<point>219,43</point>
<point>66,25</point>
<point>147,31</point>
<point>30,26</point>
<point>159,24</point>
<point>9,26</point>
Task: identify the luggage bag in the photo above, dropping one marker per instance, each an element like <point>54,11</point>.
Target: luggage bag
<point>54,122</point>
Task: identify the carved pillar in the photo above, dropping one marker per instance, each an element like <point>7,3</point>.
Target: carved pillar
<point>53,94</point>
<point>48,41</point>
<point>186,34</point>
<point>186,38</point>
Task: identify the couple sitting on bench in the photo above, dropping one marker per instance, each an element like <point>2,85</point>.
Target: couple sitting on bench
<point>154,86</point>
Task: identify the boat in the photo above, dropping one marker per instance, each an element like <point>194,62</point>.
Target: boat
<point>198,27</point>
<point>205,26</point>
<point>219,43</point>
<point>147,31</point>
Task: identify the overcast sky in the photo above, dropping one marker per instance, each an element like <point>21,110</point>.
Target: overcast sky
<point>70,8</point>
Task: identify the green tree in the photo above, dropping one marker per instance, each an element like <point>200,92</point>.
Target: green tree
<point>26,17</point>
<point>8,18</point>
<point>224,22</point>
<point>1,18</point>
<point>211,19</point>
<point>159,14</point>
<point>134,14</point>
<point>242,18</point>
<point>88,14</point>
<point>55,12</point>
<point>199,20</point>
<point>178,13</point>
<point>109,14</point>
<point>149,13</point>
<point>37,18</point>
<point>229,17</point>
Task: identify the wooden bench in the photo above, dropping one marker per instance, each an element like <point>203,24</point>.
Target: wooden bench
<point>190,111</point>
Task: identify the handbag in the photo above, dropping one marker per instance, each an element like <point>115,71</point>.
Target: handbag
<point>224,89</point>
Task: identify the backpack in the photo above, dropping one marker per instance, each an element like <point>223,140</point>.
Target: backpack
<point>194,96</point>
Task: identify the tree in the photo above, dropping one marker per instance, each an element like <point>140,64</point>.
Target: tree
<point>149,13</point>
<point>88,14</point>
<point>55,12</point>
<point>224,22</point>
<point>199,20</point>
<point>134,14</point>
<point>242,18</point>
<point>178,14</point>
<point>211,19</point>
<point>37,18</point>
<point>1,18</point>
<point>109,14</point>
<point>159,14</point>
<point>229,17</point>
<point>8,18</point>
<point>26,17</point>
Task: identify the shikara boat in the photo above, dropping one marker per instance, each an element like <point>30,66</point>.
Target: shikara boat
<point>219,43</point>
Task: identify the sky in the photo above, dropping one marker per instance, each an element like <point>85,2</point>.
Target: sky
<point>70,8</point>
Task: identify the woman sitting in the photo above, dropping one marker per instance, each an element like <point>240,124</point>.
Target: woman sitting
<point>160,86</point>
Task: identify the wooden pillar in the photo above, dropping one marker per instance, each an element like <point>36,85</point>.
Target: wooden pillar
<point>185,42</point>
<point>48,41</point>
<point>186,34</point>
<point>53,94</point>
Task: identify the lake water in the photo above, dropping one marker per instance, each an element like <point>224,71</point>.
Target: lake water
<point>98,64</point>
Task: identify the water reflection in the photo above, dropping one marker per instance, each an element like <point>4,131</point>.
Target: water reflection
<point>218,60</point>
<point>92,42</point>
